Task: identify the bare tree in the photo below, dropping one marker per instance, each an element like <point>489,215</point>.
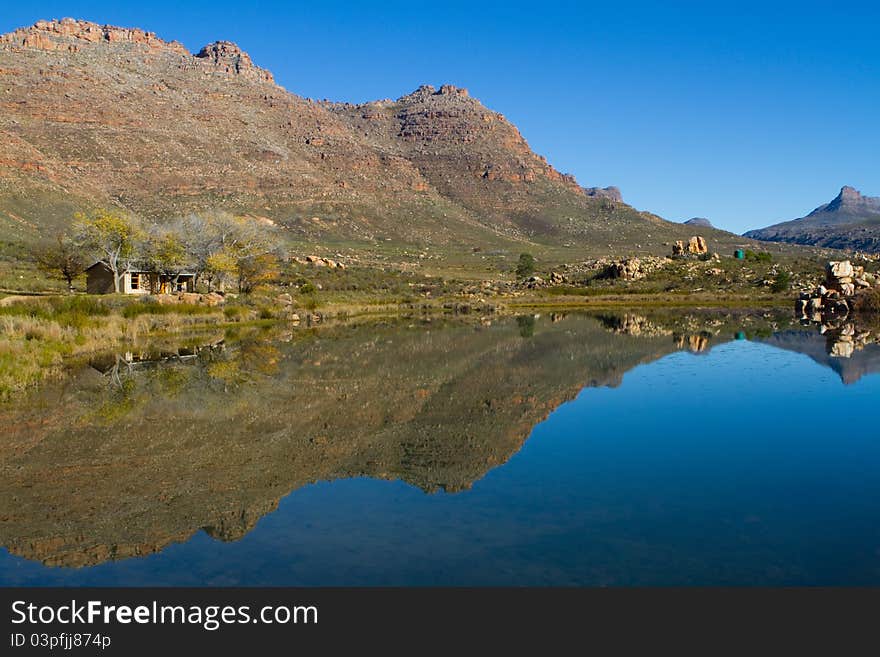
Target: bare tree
<point>224,248</point>
<point>62,259</point>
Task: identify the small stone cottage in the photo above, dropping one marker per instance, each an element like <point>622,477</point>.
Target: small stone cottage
<point>99,280</point>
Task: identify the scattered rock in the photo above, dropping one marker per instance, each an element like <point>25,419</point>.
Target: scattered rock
<point>842,280</point>
<point>317,261</point>
<point>191,298</point>
<point>634,268</point>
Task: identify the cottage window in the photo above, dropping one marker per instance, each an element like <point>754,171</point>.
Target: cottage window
<point>135,281</point>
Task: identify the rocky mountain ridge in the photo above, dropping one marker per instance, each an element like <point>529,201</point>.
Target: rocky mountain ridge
<point>94,116</point>
<point>849,221</point>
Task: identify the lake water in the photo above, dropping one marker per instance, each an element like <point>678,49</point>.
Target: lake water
<point>615,449</point>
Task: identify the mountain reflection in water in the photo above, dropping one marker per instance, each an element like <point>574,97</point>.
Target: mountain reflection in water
<point>134,452</point>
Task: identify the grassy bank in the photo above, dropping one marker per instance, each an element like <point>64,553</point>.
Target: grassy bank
<point>42,326</point>
<point>37,334</point>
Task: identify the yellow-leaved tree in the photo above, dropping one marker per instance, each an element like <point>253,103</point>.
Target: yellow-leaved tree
<point>112,237</point>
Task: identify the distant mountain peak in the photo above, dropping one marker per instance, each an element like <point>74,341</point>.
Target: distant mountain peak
<point>849,200</point>
<point>847,192</point>
<point>699,221</point>
<point>849,221</point>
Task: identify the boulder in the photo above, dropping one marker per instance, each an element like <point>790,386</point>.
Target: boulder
<point>842,349</point>
<point>189,297</point>
<point>697,245</point>
<point>213,299</point>
<point>839,269</point>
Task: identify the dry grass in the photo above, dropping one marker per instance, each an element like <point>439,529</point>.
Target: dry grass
<point>37,335</point>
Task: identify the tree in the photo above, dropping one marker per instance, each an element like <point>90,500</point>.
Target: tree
<point>255,271</point>
<point>165,254</point>
<point>219,267</point>
<point>223,248</point>
<point>525,267</point>
<point>114,239</point>
<point>201,240</point>
<point>61,259</point>
<point>782,282</point>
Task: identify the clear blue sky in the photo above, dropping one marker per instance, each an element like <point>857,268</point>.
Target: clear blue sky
<point>743,113</point>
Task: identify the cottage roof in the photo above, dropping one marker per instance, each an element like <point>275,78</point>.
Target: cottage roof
<point>136,270</point>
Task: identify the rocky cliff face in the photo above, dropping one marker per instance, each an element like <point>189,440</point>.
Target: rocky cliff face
<point>69,35</point>
<point>93,115</point>
<point>849,221</point>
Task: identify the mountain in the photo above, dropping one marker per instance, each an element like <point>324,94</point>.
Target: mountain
<point>94,115</point>
<point>700,222</point>
<point>850,221</point>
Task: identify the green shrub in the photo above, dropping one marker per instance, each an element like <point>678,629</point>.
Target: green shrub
<point>782,282</point>
<point>153,308</point>
<point>763,256</point>
<point>525,267</point>
<point>310,302</point>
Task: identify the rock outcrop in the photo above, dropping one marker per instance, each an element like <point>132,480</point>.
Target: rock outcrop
<point>69,35</point>
<point>632,269</point>
<point>695,246</point>
<point>842,281</point>
<point>229,58</point>
<point>612,193</point>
